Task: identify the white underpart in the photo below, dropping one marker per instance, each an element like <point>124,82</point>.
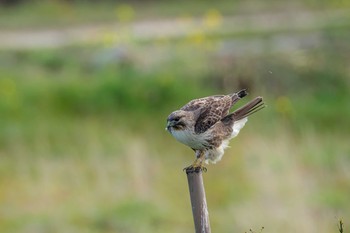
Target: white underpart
<point>216,154</point>
<point>188,138</point>
<point>199,141</point>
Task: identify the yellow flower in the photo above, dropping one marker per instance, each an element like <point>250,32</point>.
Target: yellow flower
<point>125,13</point>
<point>213,18</point>
<point>284,106</point>
<point>197,37</point>
<point>109,39</point>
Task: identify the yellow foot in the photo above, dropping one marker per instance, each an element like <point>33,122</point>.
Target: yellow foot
<point>195,168</point>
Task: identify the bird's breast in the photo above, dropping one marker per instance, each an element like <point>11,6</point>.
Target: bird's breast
<point>189,138</point>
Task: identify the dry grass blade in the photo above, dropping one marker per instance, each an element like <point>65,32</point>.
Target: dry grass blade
<point>340,227</point>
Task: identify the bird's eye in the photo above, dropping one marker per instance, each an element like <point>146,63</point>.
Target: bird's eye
<point>177,118</point>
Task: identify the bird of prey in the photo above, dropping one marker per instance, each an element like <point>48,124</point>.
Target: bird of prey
<point>206,124</point>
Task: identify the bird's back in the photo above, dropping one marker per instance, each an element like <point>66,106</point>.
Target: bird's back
<point>213,109</point>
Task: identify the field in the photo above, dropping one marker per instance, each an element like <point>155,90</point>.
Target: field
<point>82,140</point>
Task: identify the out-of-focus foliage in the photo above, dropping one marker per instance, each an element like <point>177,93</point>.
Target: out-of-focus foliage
<point>29,13</point>
<point>82,140</point>
<point>73,81</point>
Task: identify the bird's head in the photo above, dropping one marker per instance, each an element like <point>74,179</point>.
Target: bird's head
<point>179,120</point>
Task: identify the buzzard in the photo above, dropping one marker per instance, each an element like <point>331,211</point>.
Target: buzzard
<point>206,125</point>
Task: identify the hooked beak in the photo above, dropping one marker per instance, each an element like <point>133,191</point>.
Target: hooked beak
<point>169,125</point>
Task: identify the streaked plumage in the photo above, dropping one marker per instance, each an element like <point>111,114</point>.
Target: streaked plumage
<point>206,126</point>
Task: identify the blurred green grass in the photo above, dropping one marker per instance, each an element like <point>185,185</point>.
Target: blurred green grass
<point>29,13</point>
<point>71,82</point>
<point>83,146</point>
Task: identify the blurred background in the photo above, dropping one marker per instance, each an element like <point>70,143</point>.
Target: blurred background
<point>86,87</point>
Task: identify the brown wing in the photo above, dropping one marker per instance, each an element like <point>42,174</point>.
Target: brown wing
<point>212,109</point>
<point>202,102</point>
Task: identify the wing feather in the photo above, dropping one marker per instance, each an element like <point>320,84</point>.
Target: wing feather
<point>199,103</point>
<point>212,109</point>
<point>215,110</point>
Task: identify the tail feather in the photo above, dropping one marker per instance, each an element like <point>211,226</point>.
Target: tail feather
<point>248,109</point>
<point>245,111</point>
<point>238,95</point>
<point>242,93</point>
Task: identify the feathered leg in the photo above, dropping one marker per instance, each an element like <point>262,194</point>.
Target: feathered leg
<point>198,163</point>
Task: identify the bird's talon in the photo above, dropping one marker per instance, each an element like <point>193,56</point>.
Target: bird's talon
<point>195,168</point>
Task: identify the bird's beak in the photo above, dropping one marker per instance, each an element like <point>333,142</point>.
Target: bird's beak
<point>169,124</point>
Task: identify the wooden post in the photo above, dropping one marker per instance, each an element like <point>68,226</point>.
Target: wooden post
<point>198,200</point>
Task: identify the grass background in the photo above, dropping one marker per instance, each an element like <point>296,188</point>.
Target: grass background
<point>82,140</point>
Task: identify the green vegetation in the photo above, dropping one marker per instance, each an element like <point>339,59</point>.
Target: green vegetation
<point>83,146</point>
<point>67,13</point>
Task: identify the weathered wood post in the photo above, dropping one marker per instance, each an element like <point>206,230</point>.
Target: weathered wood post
<point>198,200</point>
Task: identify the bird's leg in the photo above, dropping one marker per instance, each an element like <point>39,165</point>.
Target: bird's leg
<point>198,163</point>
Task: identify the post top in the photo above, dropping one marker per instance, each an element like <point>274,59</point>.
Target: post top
<point>195,170</point>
